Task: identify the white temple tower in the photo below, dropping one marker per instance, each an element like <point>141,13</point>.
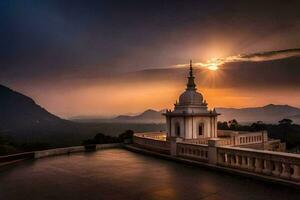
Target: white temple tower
<point>190,118</point>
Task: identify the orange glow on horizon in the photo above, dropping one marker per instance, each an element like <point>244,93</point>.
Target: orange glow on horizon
<point>101,100</point>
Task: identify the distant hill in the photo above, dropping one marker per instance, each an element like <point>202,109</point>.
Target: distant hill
<point>148,116</point>
<point>269,114</point>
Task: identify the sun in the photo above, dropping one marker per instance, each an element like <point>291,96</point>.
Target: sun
<point>213,64</point>
<point>213,67</point>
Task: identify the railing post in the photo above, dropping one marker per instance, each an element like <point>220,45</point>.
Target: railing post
<point>232,161</point>
<point>221,158</point>
<point>258,165</point>
<point>173,145</point>
<point>228,159</point>
<point>251,163</point>
<point>244,162</point>
<point>286,171</point>
<point>212,151</point>
<point>267,167</point>
<point>296,174</point>
<point>238,159</point>
<point>277,170</point>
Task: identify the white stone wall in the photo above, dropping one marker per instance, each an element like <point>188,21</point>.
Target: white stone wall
<point>189,127</point>
<point>208,127</point>
<point>177,121</point>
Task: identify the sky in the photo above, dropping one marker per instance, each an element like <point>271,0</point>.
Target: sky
<point>104,58</point>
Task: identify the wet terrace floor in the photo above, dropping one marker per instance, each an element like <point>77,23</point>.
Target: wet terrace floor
<point>121,174</point>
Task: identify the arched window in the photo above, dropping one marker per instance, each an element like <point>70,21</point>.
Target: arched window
<point>177,130</point>
<point>200,129</point>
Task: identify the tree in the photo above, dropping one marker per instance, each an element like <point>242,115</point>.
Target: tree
<point>223,125</point>
<point>258,126</point>
<point>233,124</point>
<point>128,134</point>
<point>287,122</point>
<point>100,138</point>
<point>285,126</point>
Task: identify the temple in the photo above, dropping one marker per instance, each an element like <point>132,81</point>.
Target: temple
<point>190,118</point>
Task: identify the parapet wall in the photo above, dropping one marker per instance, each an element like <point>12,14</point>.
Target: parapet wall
<point>9,159</point>
<point>158,145</point>
<point>278,165</point>
<point>68,150</point>
<point>192,151</point>
<point>58,151</point>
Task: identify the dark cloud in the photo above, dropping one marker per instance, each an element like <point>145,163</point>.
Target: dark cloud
<point>48,38</point>
<point>271,55</point>
<point>251,57</point>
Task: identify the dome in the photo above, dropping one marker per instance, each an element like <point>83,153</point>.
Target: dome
<point>190,97</point>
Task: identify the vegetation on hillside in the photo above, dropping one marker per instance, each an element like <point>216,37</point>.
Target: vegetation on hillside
<point>9,146</point>
<point>101,138</point>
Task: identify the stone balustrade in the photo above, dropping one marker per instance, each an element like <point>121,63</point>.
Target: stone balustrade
<point>152,135</point>
<point>244,137</point>
<point>192,151</point>
<point>276,164</point>
<point>151,143</point>
<point>251,138</point>
<point>222,141</point>
<point>225,142</point>
<point>197,141</point>
<point>221,153</point>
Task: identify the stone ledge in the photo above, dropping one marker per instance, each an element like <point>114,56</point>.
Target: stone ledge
<point>68,150</point>
<point>8,160</point>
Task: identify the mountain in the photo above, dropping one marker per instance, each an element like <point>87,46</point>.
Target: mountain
<point>25,121</point>
<point>148,116</point>
<point>269,114</point>
<point>19,111</point>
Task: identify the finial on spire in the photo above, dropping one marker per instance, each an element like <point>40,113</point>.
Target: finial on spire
<point>191,84</point>
<point>191,68</point>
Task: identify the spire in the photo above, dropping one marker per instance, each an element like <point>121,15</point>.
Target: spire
<point>191,68</point>
<point>191,84</point>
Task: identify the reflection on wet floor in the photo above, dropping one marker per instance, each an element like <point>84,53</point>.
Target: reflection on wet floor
<point>120,174</point>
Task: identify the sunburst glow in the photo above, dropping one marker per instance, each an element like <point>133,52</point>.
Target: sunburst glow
<point>212,64</point>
